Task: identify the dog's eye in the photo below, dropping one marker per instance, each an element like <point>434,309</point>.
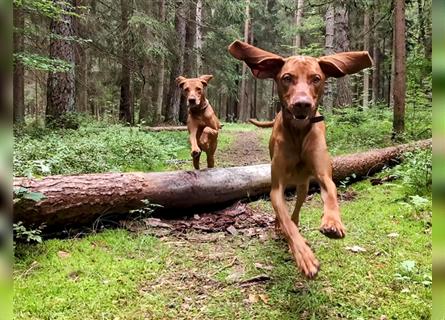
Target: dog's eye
<point>186,89</point>
<point>316,79</point>
<point>287,78</point>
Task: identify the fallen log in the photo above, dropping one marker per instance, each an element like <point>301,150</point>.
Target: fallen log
<point>81,199</point>
<point>166,128</point>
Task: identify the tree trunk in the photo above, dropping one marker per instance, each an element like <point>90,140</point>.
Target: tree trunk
<point>61,85</point>
<point>81,57</point>
<point>341,44</point>
<point>19,71</point>
<point>198,37</point>
<point>243,106</point>
<point>146,99</point>
<point>161,72</point>
<point>393,68</point>
<point>298,23</point>
<point>125,101</point>
<point>366,71</point>
<point>178,66</point>
<point>376,58</point>
<point>328,98</point>
<point>81,199</point>
<point>399,68</point>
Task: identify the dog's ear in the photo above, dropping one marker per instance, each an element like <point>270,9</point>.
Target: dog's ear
<point>341,64</point>
<point>180,81</point>
<point>262,63</point>
<point>206,78</point>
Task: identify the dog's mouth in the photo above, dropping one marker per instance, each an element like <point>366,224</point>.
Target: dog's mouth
<point>299,117</point>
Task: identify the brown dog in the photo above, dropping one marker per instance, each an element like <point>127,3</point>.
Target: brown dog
<point>202,123</point>
<point>297,145</point>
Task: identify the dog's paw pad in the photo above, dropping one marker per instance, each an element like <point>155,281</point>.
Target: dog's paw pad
<point>332,232</point>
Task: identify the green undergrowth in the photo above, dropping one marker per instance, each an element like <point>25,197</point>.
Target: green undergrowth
<point>103,147</point>
<point>116,274</point>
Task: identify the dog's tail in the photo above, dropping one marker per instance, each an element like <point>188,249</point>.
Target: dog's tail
<point>265,124</point>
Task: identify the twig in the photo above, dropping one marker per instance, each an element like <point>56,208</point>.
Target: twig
<point>225,267</point>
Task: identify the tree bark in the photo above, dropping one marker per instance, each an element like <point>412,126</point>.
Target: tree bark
<point>341,44</point>
<point>328,98</point>
<point>81,199</point>
<point>81,56</point>
<point>243,106</point>
<point>125,100</point>
<point>399,68</point>
<point>161,73</point>
<point>172,114</point>
<point>376,58</point>
<point>61,85</point>
<point>19,71</point>
<point>198,37</point>
<point>298,23</point>
<point>366,71</point>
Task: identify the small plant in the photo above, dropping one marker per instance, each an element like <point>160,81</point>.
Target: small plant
<point>416,172</point>
<point>21,233</point>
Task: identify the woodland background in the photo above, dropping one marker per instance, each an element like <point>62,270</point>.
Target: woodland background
<point>117,61</point>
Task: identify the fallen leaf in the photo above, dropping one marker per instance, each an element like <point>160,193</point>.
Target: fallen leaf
<point>264,298</point>
<point>356,249</point>
<point>253,298</point>
<point>393,235</point>
<point>232,230</point>
<point>63,254</point>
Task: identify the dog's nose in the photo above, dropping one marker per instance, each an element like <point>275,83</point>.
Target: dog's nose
<point>192,101</point>
<point>302,104</point>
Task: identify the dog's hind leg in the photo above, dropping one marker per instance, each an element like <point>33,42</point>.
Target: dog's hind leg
<point>302,190</point>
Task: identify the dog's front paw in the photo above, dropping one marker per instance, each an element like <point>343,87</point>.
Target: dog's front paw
<point>332,227</point>
<point>196,153</point>
<point>305,260</point>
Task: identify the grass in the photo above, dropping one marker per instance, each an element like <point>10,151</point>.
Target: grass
<point>117,274</point>
<point>120,275</point>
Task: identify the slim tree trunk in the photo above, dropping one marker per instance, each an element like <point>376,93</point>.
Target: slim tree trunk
<point>328,98</point>
<point>366,72</point>
<point>341,44</point>
<point>125,101</point>
<point>376,58</point>
<point>298,23</point>
<point>400,68</point>
<point>146,99</point>
<point>198,37</point>
<point>61,85</point>
<point>393,64</point>
<point>81,55</point>
<point>243,107</point>
<point>19,71</point>
<point>172,114</point>
<point>161,72</point>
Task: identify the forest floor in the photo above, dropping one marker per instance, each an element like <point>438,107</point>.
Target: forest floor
<point>231,264</point>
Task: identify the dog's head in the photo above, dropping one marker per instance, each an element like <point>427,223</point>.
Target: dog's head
<point>300,79</point>
<point>193,89</point>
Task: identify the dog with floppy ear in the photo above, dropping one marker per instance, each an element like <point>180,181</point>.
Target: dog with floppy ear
<point>202,123</point>
<point>297,145</point>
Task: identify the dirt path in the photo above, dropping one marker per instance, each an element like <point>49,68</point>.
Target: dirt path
<point>246,149</point>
